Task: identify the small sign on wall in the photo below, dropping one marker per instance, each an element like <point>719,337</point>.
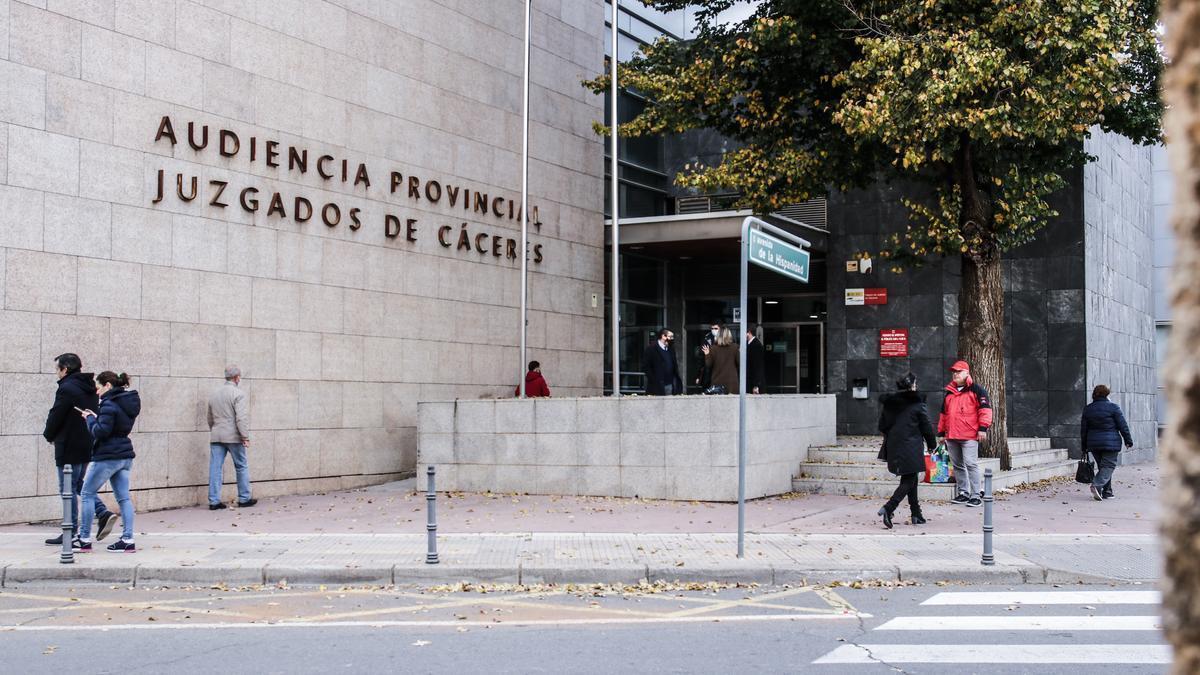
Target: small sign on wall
<point>893,342</point>
<point>866,296</point>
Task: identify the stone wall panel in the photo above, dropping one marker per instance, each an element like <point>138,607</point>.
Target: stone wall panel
<point>339,330</point>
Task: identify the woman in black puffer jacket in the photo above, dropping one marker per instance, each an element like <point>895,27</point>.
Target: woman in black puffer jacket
<point>904,421</point>
<point>112,455</point>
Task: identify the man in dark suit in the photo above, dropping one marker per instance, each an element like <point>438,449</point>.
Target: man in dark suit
<point>660,366</point>
<point>756,376</point>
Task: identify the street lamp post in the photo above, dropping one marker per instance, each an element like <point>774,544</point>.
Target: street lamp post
<point>614,282</point>
<point>524,208</point>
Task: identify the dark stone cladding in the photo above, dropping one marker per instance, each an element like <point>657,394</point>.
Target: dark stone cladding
<point>1045,335</point>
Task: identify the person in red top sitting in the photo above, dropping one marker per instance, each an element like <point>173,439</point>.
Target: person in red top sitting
<point>535,384</point>
<point>965,419</point>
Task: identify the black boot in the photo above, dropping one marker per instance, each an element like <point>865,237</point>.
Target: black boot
<point>887,517</point>
<point>917,518</point>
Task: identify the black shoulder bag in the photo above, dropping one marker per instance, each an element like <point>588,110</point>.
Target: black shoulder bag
<point>1085,472</point>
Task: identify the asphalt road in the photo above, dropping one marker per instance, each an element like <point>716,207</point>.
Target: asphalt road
<point>690,629</point>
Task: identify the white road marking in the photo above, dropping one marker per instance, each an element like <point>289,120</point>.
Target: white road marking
<point>1048,598</point>
<point>1007,654</point>
<point>439,624</point>
<point>1012,622</point>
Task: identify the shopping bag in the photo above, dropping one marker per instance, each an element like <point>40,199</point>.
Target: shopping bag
<point>1085,472</point>
<point>938,468</point>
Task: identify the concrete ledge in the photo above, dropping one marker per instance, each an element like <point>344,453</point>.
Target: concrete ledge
<point>615,574</point>
<point>748,574</point>
<point>109,574</point>
<point>328,574</point>
<point>994,574</point>
<point>799,577</point>
<point>426,575</point>
<point>652,447</point>
<point>443,573</point>
<point>201,575</point>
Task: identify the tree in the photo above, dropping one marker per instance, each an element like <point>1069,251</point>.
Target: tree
<point>985,101</point>
<point>1181,443</point>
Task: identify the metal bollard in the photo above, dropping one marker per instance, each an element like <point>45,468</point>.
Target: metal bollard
<point>988,558</point>
<point>431,556</point>
<point>67,556</point>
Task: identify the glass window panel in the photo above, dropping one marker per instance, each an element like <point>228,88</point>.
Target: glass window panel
<point>637,202</point>
<point>641,280</point>
<point>703,312</point>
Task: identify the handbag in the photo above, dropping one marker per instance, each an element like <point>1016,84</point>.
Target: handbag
<point>938,467</point>
<point>1085,472</point>
<point>716,390</point>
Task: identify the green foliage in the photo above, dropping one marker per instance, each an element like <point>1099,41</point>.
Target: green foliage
<point>987,101</point>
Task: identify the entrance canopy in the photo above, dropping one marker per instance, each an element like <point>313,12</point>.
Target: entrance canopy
<point>703,235</point>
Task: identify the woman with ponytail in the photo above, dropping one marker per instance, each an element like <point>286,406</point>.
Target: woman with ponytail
<point>112,455</point>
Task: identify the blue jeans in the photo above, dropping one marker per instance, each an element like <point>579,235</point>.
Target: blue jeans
<point>77,471</point>
<point>115,471</point>
<point>1106,464</point>
<point>216,463</point>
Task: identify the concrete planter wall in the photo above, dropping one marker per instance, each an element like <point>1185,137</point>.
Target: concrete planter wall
<point>681,447</point>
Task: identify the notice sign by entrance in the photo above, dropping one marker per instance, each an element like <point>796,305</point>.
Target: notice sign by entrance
<point>866,296</point>
<point>777,256</point>
<point>893,342</point>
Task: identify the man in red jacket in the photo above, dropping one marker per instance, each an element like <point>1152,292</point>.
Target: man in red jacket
<point>965,419</point>
<point>535,384</point>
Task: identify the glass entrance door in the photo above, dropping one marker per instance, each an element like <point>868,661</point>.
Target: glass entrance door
<point>779,347</point>
<point>795,358</point>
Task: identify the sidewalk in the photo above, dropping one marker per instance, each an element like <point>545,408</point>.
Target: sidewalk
<point>531,558</point>
<point>1054,533</point>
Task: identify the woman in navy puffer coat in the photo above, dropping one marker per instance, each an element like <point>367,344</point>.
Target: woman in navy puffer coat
<point>112,455</point>
<point>1102,429</point>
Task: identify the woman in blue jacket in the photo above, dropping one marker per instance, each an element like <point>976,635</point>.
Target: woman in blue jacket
<point>1102,429</point>
<point>112,455</point>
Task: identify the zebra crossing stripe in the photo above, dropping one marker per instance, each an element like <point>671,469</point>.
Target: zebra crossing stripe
<point>1047,598</point>
<point>1059,623</point>
<point>1007,654</point>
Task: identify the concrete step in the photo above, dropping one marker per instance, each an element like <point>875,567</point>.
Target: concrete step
<point>1033,474</point>
<point>861,471</point>
<point>843,454</point>
<point>1039,457</point>
<point>883,487</point>
<point>1022,445</point>
<point>1019,447</point>
<point>868,488</point>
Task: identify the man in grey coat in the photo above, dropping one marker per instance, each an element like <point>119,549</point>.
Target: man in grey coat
<point>229,433</point>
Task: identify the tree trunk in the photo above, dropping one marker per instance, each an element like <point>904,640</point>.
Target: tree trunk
<point>981,343</point>
<point>1181,443</point>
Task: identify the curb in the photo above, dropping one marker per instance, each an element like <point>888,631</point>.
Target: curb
<point>14,575</point>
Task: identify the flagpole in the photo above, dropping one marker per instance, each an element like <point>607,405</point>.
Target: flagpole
<point>615,282</point>
<point>524,208</point>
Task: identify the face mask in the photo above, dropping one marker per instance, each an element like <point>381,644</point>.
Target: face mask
<point>715,332</point>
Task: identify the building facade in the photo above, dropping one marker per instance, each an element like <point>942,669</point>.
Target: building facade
<point>1078,298</point>
<point>326,193</point>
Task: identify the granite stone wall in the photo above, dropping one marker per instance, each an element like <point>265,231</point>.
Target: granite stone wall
<point>652,447</point>
<point>1119,216</point>
<point>341,320</point>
